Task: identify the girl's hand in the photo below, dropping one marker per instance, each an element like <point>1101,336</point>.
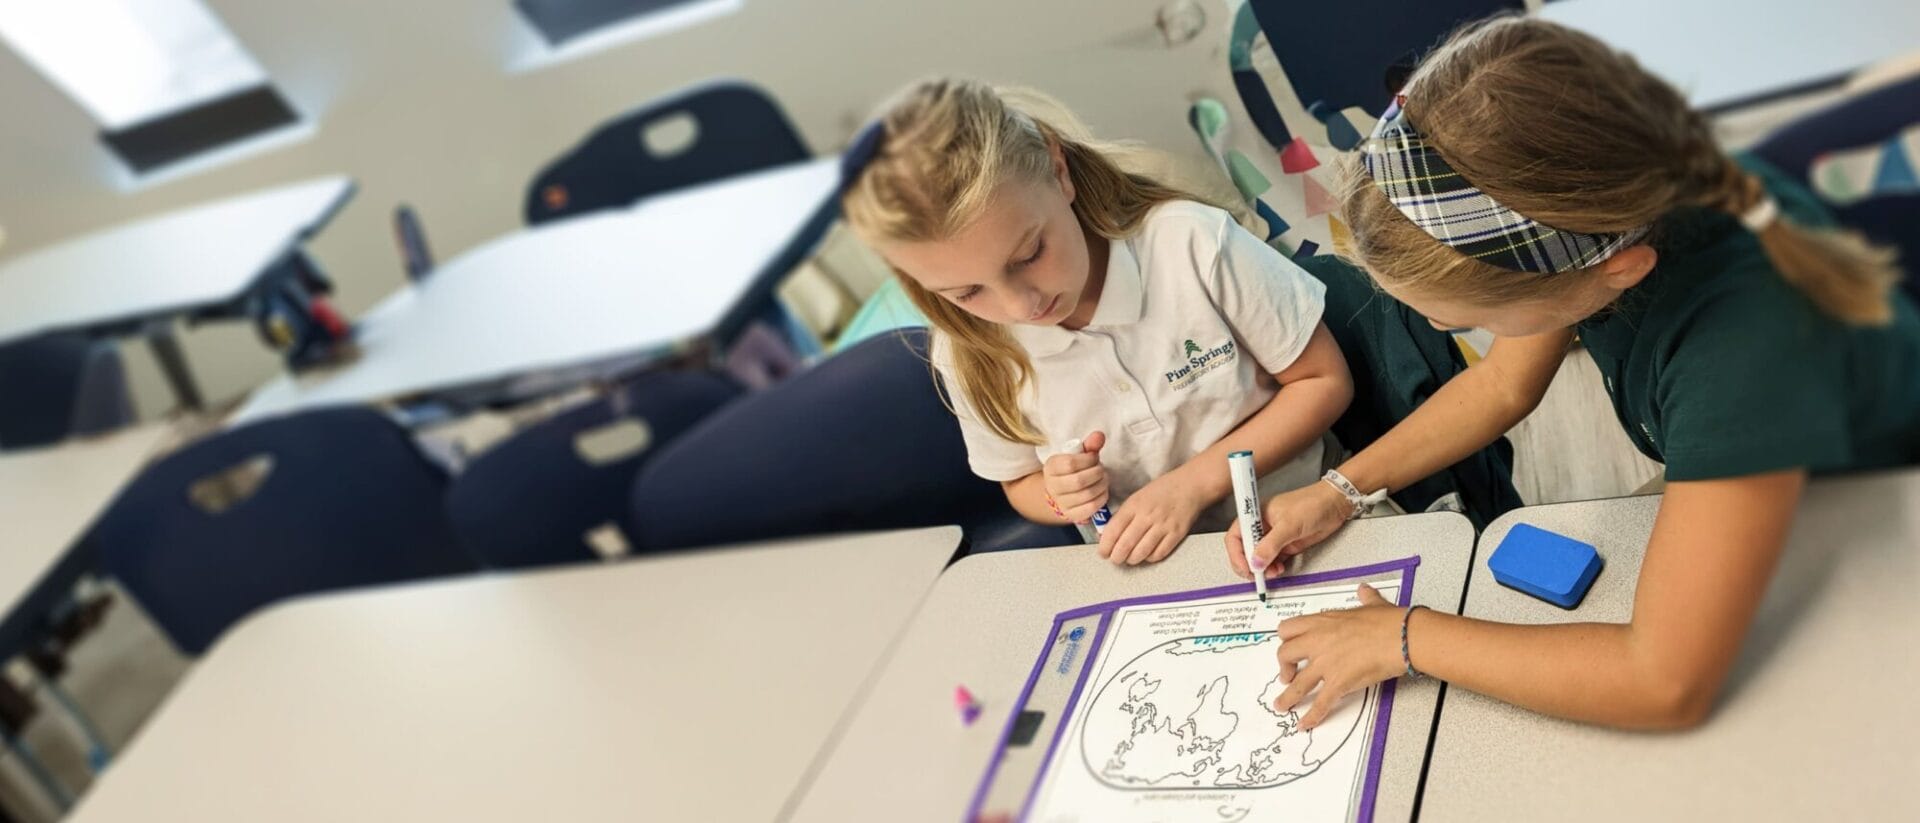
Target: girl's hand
<point>1343,651</point>
<point>1151,524</point>
<point>1296,521</point>
<point>1077,483</point>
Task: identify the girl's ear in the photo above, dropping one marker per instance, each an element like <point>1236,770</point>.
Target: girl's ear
<point>1060,173</point>
<point>1627,267</point>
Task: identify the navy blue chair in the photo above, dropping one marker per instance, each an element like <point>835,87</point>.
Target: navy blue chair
<point>1351,53</point>
<point>532,500</point>
<point>60,385</point>
<point>1863,120</point>
<point>861,441</point>
<point>307,503</point>
<point>737,129</point>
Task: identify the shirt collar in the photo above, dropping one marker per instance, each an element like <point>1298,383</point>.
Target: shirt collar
<point>1121,303</point>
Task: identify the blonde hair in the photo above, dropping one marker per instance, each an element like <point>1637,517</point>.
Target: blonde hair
<point>947,147</point>
<point>1555,125</point>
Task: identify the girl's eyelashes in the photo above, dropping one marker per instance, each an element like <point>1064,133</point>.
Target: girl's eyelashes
<point>1038,249</point>
<point>972,291</point>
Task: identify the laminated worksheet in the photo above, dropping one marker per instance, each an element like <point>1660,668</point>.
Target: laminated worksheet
<point>1161,708</point>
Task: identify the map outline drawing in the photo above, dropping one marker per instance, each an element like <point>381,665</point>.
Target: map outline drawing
<point>1254,639</point>
<point>1032,775</point>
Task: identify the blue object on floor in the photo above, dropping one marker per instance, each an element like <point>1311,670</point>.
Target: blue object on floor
<point>1552,567</point>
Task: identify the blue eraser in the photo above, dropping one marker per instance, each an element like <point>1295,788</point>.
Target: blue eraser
<point>1552,567</point>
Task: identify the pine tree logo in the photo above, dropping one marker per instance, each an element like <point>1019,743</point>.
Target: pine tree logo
<point>1192,349</point>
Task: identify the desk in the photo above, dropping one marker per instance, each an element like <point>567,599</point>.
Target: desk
<point>1818,716</point>
<point>48,498</point>
<point>987,618</point>
<point>593,288</point>
<point>1724,54</point>
<point>689,687</point>
<point>141,276</point>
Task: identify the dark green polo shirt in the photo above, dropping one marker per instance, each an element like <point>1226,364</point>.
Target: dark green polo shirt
<point>1719,368</point>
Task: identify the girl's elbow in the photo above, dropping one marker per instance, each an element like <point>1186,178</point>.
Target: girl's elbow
<point>1342,393</point>
<point>1337,392</point>
<point>1677,701</point>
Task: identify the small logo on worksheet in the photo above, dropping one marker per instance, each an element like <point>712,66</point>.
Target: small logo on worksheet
<point>1073,649</point>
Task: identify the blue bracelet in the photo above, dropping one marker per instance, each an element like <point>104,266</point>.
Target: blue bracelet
<point>1404,656</point>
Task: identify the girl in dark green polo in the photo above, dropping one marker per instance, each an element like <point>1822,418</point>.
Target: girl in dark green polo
<point>1534,183</point>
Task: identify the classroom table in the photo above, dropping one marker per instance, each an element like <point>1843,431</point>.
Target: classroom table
<point>598,287</point>
<point>988,618</point>
<point>49,496</point>
<point>1723,55</point>
<point>1817,720</point>
<point>685,687</point>
<point>140,277</point>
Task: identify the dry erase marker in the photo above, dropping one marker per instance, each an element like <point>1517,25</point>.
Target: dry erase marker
<point>1100,517</point>
<point>1246,503</point>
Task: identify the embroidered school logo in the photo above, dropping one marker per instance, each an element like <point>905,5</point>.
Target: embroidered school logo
<point>1198,361</point>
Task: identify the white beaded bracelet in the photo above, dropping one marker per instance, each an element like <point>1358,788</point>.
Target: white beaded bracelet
<point>1361,502</point>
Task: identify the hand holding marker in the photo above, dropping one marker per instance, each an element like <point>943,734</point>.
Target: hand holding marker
<point>1246,506</point>
<point>1100,517</point>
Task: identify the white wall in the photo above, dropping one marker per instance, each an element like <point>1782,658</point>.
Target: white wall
<point>414,98</point>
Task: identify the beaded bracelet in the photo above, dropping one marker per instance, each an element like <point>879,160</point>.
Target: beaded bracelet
<point>1404,656</point>
<point>1052,505</point>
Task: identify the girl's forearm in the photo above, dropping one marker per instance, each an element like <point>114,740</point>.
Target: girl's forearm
<point>1580,671</point>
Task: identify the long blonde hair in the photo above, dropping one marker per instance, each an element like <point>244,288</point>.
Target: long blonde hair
<point>947,147</point>
<point>1555,125</point>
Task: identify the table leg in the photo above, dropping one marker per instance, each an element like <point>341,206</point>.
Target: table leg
<point>97,751</point>
<point>173,363</point>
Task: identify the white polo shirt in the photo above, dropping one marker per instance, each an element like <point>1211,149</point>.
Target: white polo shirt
<point>1195,318</point>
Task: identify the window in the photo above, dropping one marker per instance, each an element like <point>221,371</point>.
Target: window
<point>570,29</point>
<point>163,78</point>
<point>562,20</point>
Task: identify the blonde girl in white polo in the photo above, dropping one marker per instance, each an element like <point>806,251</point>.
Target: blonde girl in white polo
<point>1072,301</point>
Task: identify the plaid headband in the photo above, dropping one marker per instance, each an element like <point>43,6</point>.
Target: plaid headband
<point>1425,188</point>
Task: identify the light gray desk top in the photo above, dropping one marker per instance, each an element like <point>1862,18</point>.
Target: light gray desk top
<point>986,620</point>
<point>50,495</point>
<point>1818,720</point>
<point>175,262</point>
<point>1720,52</point>
<point>689,687</point>
<point>571,292</point>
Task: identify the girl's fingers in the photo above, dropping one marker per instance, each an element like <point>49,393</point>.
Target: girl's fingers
<point>1167,545</point>
<point>1236,557</point>
<point>1304,681</point>
<point>1116,529</point>
<point>1077,482</point>
<point>1323,704</point>
<point>1145,546</point>
<point>1129,540</point>
<point>1369,597</point>
<point>1293,627</point>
